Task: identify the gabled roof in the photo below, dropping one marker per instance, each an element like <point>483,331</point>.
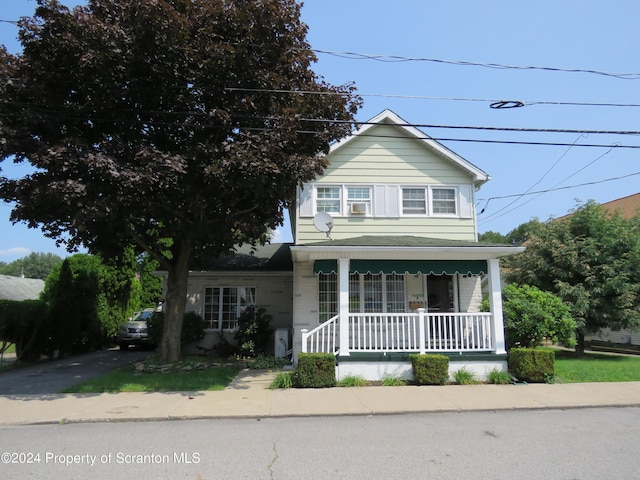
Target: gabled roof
<point>628,206</point>
<point>272,257</point>
<point>387,117</point>
<point>18,288</point>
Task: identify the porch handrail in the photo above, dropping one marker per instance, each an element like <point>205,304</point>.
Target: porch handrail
<point>404,332</point>
<point>323,338</point>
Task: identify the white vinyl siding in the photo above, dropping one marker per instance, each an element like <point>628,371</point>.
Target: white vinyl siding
<point>385,164</point>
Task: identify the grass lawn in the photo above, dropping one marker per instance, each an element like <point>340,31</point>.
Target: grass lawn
<point>595,367</point>
<point>127,379</point>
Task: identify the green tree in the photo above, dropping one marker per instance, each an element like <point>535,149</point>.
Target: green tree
<point>172,125</point>
<point>34,265</point>
<point>150,283</point>
<point>492,237</point>
<point>590,260</point>
<point>530,315</point>
<point>522,233</point>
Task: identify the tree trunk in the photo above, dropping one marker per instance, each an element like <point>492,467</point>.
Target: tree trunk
<point>174,306</point>
<point>580,343</point>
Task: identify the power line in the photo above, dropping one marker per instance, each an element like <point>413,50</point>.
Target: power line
<point>491,101</point>
<point>399,59</point>
<point>595,182</point>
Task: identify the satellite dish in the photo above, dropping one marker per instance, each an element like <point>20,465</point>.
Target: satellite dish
<point>323,222</point>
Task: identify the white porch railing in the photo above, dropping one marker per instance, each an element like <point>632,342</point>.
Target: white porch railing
<point>404,332</point>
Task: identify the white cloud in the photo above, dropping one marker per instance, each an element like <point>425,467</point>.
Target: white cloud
<point>15,252</point>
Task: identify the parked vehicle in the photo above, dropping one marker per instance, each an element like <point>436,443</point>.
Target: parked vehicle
<point>135,331</point>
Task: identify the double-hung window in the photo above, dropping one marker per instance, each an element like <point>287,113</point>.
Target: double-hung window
<point>358,200</point>
<point>223,305</point>
<point>328,199</point>
<point>414,201</point>
<point>444,201</point>
<point>429,200</point>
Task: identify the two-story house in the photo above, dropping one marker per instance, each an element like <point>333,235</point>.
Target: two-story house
<point>385,261</point>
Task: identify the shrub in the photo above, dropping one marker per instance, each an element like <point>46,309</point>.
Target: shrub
<point>353,381</point>
<point>264,362</point>
<point>315,370</point>
<point>498,377</point>
<point>464,376</point>
<point>27,324</point>
<point>254,331</point>
<point>282,380</point>
<point>532,364</point>
<point>192,327</point>
<point>531,314</point>
<point>430,369</point>
<point>392,381</point>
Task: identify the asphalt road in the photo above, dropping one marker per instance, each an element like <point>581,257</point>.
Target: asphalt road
<point>577,444</point>
<point>48,377</point>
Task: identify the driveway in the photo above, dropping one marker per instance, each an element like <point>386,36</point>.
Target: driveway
<point>53,376</point>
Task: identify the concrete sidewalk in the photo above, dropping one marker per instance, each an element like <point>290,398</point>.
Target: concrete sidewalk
<point>248,396</point>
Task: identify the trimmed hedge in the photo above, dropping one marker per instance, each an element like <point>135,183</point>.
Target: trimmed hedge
<point>315,370</point>
<point>532,364</point>
<point>430,369</point>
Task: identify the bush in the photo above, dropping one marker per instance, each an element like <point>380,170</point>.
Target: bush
<point>393,381</point>
<point>498,377</point>
<point>315,370</point>
<point>27,324</point>
<point>531,314</point>
<point>353,381</point>
<point>464,376</point>
<point>430,369</point>
<point>532,364</point>
<point>254,331</point>
<point>282,380</point>
<point>192,327</point>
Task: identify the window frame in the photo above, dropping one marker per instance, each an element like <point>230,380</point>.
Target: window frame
<point>430,201</point>
<point>344,200</point>
<point>222,323</point>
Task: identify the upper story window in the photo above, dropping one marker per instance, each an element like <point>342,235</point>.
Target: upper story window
<point>343,200</point>
<point>328,199</point>
<point>444,201</point>
<point>387,200</point>
<point>414,201</point>
<point>429,201</point>
<point>358,200</point>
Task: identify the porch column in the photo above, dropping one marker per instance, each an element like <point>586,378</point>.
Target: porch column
<point>343,302</point>
<point>495,295</point>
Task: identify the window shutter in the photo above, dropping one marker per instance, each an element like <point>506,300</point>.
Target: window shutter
<point>466,201</point>
<point>305,200</point>
<point>379,201</point>
<point>393,197</point>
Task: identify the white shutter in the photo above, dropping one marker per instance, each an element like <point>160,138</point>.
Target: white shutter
<point>379,201</point>
<point>466,201</point>
<point>393,199</point>
<point>305,200</point>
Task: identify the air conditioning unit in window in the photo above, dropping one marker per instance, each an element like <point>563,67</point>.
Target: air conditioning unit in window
<point>359,208</point>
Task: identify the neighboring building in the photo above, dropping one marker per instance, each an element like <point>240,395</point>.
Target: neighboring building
<point>18,288</point>
<point>608,339</point>
<point>385,261</point>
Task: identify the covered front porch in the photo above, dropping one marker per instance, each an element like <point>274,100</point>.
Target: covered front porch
<point>387,306</point>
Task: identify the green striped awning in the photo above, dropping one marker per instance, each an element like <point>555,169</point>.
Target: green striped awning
<point>413,267</point>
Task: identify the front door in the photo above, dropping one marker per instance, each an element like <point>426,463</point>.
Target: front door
<point>440,293</point>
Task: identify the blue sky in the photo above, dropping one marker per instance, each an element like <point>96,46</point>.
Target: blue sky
<point>548,34</point>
